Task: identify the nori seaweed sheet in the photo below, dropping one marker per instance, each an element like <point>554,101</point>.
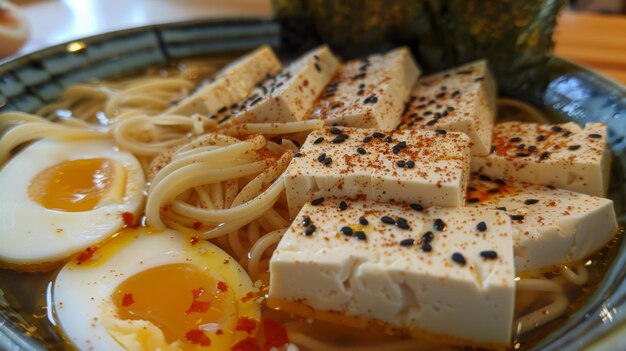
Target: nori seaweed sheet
<point>515,36</point>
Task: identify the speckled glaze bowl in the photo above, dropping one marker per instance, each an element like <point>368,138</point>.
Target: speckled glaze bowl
<point>573,93</point>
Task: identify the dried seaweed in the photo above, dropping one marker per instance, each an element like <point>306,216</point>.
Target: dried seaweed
<point>516,36</point>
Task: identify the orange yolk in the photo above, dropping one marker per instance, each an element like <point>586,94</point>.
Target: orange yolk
<point>179,299</point>
<point>73,186</point>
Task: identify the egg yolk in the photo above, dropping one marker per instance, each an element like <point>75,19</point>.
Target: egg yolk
<point>74,186</point>
<point>183,300</point>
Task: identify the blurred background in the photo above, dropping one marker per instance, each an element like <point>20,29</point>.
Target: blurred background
<point>589,32</point>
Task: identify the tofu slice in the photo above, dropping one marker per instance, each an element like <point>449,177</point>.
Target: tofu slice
<point>231,85</point>
<point>370,92</point>
<point>562,155</point>
<point>384,273</point>
<point>287,96</point>
<point>552,226</point>
<point>411,166</point>
<point>462,99</point>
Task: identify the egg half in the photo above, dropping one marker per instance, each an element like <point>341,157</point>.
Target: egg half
<point>58,198</point>
<point>148,290</point>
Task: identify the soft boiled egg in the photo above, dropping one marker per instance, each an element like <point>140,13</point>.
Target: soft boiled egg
<point>150,290</point>
<point>57,198</point>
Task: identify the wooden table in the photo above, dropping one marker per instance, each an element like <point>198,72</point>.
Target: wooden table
<point>594,40</point>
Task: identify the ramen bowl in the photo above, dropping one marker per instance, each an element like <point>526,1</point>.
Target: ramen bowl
<point>573,93</point>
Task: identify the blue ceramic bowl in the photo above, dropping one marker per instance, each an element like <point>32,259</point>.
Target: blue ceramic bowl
<point>573,93</point>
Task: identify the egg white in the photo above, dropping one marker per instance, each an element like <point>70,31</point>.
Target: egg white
<point>32,234</point>
<point>81,294</point>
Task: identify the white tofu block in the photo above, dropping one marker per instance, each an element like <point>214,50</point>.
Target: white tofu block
<point>416,286</point>
<point>231,85</point>
<point>462,99</point>
<point>370,92</point>
<point>562,155</point>
<point>552,226</point>
<point>287,96</point>
<point>433,169</point>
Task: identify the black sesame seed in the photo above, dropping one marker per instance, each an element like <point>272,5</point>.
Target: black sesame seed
<point>428,113</point>
<point>492,150</point>
<point>544,155</point>
<point>540,138</point>
<point>573,147</point>
<point>222,110</point>
<point>226,118</point>
<point>450,108</point>
<point>458,258</point>
<point>361,151</point>
<point>481,226</point>
<point>321,158</point>
<point>501,208</point>
<point>306,221</point>
<point>407,242</point>
<point>517,217</point>
<point>327,161</point>
<point>499,181</point>
<point>388,139</point>
<point>522,154</point>
<point>297,154</point>
<point>417,207</point>
<point>456,93</point>
<point>438,115</point>
<point>363,221</point>
<point>395,150</point>
<point>472,200</point>
<point>367,139</point>
<point>532,148</point>
<point>556,129</point>
<point>317,201</point>
<point>515,139</point>
<point>484,177</point>
<point>378,135</point>
<point>343,206</point>
<point>346,231</point>
<point>310,230</point>
<point>489,254</point>
<point>339,139</point>
<point>401,163</point>
<point>360,235</point>
<point>431,122</point>
<point>440,131</point>
<point>400,145</point>
<point>595,136</point>
<point>370,100</point>
<point>521,146</point>
<point>317,67</point>
<point>426,247</point>
<point>402,224</point>
<point>335,130</point>
<point>439,224</point>
<point>530,201</point>
<point>387,220</point>
<point>493,191</point>
<point>318,140</point>
<point>567,133</point>
<point>479,79</point>
<point>410,164</point>
<point>428,237</point>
